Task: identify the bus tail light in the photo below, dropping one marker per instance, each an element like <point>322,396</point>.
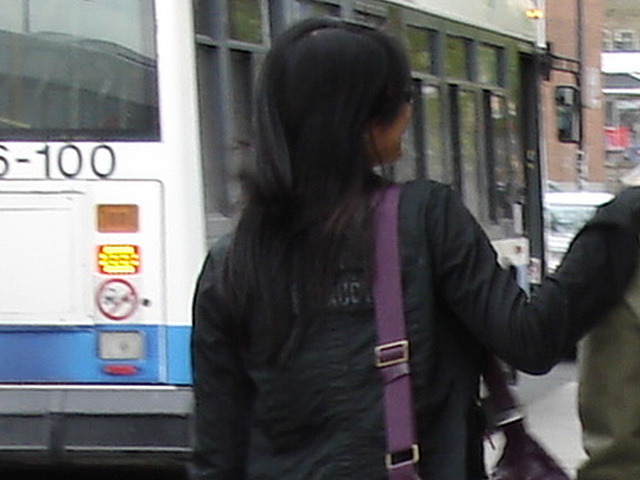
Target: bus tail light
<point>117,218</point>
<point>120,370</point>
<point>118,259</point>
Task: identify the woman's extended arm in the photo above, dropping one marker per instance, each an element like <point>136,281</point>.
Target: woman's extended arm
<point>534,334</point>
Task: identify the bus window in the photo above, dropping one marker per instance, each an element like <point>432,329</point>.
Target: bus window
<point>420,48</point>
<point>501,176</point>
<point>469,153</point>
<point>245,20</point>
<point>406,168</point>
<point>437,168</point>
<point>309,8</point>
<point>87,74</point>
<point>489,62</point>
<point>241,135</point>
<point>456,57</point>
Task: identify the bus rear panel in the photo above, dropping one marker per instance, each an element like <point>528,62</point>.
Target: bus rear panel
<point>101,213</point>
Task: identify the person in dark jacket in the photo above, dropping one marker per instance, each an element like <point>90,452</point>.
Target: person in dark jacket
<point>283,340</point>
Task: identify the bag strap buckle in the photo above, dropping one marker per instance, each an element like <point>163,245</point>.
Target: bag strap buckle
<point>402,458</point>
<point>392,353</point>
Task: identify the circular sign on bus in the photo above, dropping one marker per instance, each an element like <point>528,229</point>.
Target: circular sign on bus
<point>117,299</point>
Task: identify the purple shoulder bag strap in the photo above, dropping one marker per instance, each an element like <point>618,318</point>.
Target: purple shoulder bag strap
<point>392,350</point>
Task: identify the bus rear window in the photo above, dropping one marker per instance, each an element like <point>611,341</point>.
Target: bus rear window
<point>78,70</point>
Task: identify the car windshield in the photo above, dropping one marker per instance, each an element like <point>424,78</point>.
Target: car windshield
<point>568,219</point>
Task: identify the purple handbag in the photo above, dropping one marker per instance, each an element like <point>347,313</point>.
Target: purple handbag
<point>523,458</point>
<point>392,350</point>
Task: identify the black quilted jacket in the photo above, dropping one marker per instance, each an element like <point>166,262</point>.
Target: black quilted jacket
<point>320,418</point>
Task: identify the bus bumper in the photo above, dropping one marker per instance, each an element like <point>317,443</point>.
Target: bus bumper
<point>99,425</point>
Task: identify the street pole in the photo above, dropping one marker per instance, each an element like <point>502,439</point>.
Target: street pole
<point>580,154</point>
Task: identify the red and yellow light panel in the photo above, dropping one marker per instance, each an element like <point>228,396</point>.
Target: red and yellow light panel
<point>118,259</point>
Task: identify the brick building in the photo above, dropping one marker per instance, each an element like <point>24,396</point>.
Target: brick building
<point>574,33</point>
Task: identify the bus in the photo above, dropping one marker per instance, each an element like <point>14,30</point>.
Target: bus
<point>123,126</point>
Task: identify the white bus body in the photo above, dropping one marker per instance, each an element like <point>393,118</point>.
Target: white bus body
<point>103,229</point>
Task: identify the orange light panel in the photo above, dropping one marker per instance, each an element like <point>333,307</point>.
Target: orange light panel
<point>118,259</point>
<point>117,218</point>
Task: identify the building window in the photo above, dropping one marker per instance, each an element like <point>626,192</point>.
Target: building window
<point>607,41</point>
<point>624,40</point>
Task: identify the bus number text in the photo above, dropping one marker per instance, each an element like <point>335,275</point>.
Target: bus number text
<point>4,163</point>
<point>69,160</point>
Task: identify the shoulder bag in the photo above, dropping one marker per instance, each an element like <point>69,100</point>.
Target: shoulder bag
<point>522,459</point>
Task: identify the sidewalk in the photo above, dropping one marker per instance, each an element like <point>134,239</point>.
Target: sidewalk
<point>550,403</point>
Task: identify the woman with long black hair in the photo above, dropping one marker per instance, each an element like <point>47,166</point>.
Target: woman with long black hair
<point>283,342</point>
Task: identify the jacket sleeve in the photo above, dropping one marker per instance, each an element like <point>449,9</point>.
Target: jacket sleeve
<point>221,386</point>
<point>533,334</point>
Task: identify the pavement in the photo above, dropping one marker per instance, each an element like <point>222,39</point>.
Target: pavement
<point>550,404</point>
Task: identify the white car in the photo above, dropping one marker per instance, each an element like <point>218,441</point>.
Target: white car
<point>565,214</point>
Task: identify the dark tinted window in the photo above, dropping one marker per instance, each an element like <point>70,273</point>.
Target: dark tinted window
<point>73,69</point>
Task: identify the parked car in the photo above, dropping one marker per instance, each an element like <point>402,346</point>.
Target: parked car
<point>565,214</point>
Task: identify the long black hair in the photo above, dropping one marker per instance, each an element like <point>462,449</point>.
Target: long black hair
<point>321,84</point>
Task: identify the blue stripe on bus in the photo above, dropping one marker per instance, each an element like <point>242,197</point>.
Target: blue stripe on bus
<point>70,355</point>
<point>179,358</point>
